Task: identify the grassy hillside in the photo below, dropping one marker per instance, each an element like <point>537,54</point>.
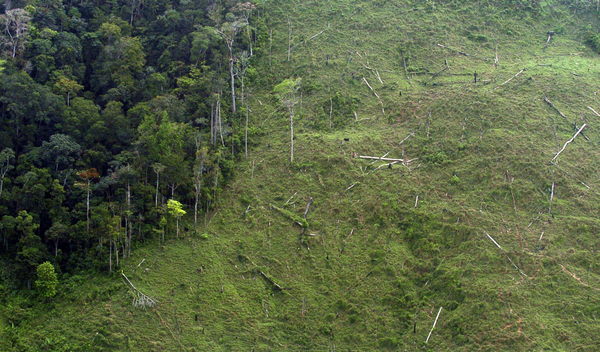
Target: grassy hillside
<point>382,249</point>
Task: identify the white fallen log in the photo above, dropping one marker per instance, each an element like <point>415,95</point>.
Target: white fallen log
<point>594,111</point>
<point>375,93</point>
<point>569,142</point>
<point>352,186</point>
<point>434,324</point>
<point>510,79</point>
<point>506,254</point>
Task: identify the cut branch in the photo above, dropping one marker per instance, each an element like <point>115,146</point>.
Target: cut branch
<point>554,107</point>
<point>506,254</point>
<point>310,202</point>
<point>594,111</point>
<point>375,93</point>
<point>510,79</point>
<point>381,158</point>
<point>569,142</point>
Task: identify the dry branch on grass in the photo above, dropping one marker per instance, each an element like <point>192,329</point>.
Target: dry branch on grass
<point>510,79</point>
<point>594,111</point>
<point>569,142</point>
<point>578,279</point>
<point>506,254</point>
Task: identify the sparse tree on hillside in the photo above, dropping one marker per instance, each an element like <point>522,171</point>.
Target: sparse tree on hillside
<point>287,94</point>
<point>175,209</point>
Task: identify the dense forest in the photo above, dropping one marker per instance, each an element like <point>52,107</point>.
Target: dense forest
<point>299,175</point>
<point>114,116</point>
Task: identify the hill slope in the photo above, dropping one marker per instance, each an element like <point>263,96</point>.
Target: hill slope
<point>383,248</point>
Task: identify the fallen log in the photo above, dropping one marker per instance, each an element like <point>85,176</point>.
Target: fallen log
<point>375,93</point>
<point>569,142</point>
<point>510,79</point>
<point>554,107</point>
<point>434,324</point>
<point>380,158</point>
<point>595,112</point>
<point>506,254</point>
<point>310,202</point>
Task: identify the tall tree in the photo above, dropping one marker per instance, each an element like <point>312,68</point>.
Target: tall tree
<point>16,28</point>
<point>5,157</point>
<point>287,94</point>
<point>176,211</point>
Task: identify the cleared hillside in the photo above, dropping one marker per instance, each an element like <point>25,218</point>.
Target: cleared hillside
<point>382,248</point>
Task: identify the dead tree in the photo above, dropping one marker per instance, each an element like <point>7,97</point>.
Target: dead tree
<point>16,28</point>
<point>140,299</point>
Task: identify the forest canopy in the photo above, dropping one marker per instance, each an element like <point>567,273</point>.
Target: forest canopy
<point>108,112</point>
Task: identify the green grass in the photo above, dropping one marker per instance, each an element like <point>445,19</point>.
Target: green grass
<point>371,266</point>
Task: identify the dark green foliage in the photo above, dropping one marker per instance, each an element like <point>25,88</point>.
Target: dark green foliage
<point>117,88</point>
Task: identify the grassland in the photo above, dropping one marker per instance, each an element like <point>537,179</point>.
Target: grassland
<point>373,265</point>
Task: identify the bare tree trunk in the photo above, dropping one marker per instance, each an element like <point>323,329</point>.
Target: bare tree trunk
<point>219,121</point>
<point>245,139</point>
<point>177,224</point>
<point>110,245</point>
<point>127,222</point>
<point>87,208</point>
<point>232,75</point>
<point>289,52</point>
<point>156,195</point>
<point>212,124</point>
<point>271,47</point>
<point>330,112</point>
<point>291,136</point>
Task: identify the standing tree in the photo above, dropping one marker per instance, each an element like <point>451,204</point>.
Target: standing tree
<point>68,87</point>
<point>158,169</point>
<point>88,176</point>
<point>47,281</point>
<point>176,211</point>
<point>5,156</point>
<point>287,94</point>
<point>201,154</point>
<point>16,28</point>
<point>229,31</point>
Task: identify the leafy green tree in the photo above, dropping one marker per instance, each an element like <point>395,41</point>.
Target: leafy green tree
<point>61,152</point>
<point>176,211</point>
<point>6,155</point>
<point>47,280</point>
<point>68,87</point>
<point>30,249</point>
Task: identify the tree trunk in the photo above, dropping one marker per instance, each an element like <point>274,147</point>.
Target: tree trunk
<point>177,225</point>
<point>291,136</point>
<point>156,196</point>
<point>245,136</point>
<point>110,245</point>
<point>289,52</point>
<point>232,75</point>
<point>87,208</point>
